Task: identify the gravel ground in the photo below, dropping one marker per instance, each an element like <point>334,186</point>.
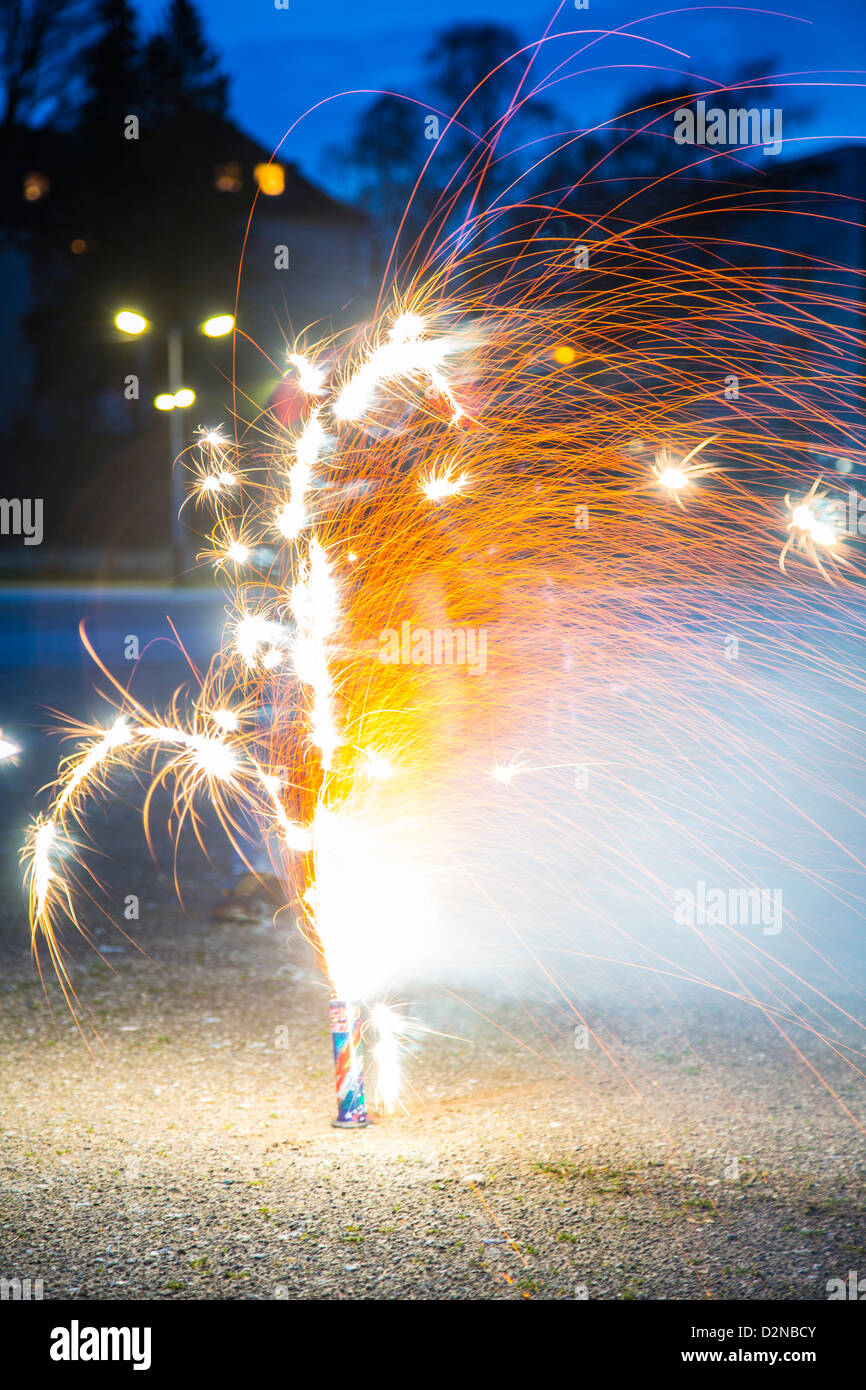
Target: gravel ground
<point>187,1154</point>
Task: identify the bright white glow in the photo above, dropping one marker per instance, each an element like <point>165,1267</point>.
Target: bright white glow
<point>308,446</point>
<point>311,378</point>
<point>213,757</point>
<point>821,532</point>
<point>292,516</point>
<point>315,610</point>
<point>128,321</point>
<point>402,355</point>
<point>8,749</point>
<point>238,552</point>
<point>406,327</point>
<point>390,1027</point>
<point>375,905</point>
<point>290,519</point>
<point>225,719</point>
<point>437,486</point>
<point>210,755</point>
<point>218,326</point>
<point>506,772</point>
<point>673,478</point>
<point>377,766</point>
<point>43,843</point>
<point>118,734</point>
<point>254,631</point>
<point>250,632</point>
<point>215,482</point>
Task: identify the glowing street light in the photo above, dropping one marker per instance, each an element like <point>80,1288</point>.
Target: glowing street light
<point>182,398</point>
<point>177,398</point>
<point>128,321</point>
<point>8,749</point>
<point>218,326</point>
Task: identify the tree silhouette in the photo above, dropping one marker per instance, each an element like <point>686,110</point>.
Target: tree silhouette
<point>389,149</point>
<point>384,158</point>
<point>112,70</point>
<point>464,55</point>
<point>183,74</point>
<point>39,44</point>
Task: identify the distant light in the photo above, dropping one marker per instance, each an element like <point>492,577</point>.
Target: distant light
<point>35,186</point>
<point>165,401</point>
<point>78,247</point>
<point>227,178</point>
<point>844,466</point>
<point>564,354</point>
<point>184,397</point>
<point>271,179</point>
<point>218,326</point>
<point>128,321</point>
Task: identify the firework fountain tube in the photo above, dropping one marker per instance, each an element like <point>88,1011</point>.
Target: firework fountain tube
<point>348,1064</point>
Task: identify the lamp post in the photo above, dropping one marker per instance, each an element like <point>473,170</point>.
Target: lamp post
<point>175,434</point>
<point>177,398</point>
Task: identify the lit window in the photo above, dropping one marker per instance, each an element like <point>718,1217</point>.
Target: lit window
<point>35,186</point>
<point>271,179</point>
<point>227,178</point>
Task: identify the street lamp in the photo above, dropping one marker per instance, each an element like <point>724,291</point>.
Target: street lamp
<point>128,321</point>
<point>181,399</point>
<point>177,397</point>
<point>218,326</point>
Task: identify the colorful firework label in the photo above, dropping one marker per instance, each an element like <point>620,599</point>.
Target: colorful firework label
<point>348,1062</point>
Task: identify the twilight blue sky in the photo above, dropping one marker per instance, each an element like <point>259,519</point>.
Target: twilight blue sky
<point>283,61</point>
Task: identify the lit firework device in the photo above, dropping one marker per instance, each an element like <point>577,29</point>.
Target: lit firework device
<point>455,556</point>
<point>348,1064</point>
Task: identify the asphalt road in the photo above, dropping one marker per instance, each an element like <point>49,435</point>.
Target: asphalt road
<point>189,1155</point>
